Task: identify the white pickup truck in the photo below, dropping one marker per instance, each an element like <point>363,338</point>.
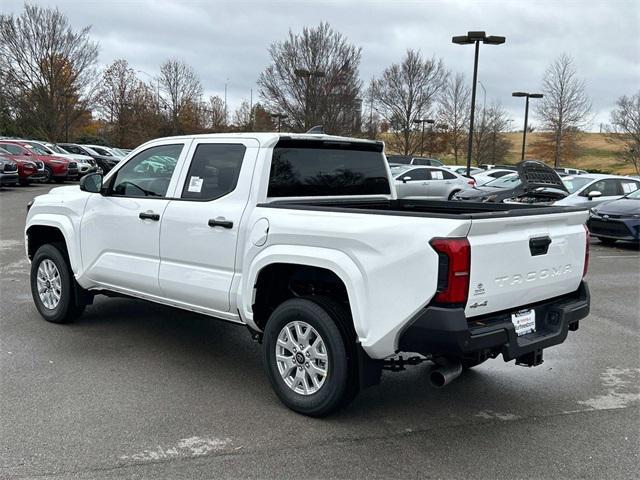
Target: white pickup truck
<point>301,238</point>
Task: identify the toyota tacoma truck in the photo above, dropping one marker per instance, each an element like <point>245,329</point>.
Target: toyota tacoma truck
<point>301,238</point>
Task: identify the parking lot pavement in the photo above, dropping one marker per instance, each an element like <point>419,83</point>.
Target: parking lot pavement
<point>135,390</point>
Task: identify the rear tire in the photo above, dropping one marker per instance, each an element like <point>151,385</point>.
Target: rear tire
<point>321,326</point>
<point>52,285</point>
<point>452,194</point>
<point>607,241</point>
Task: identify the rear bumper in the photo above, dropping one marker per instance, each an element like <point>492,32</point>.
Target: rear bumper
<point>441,331</point>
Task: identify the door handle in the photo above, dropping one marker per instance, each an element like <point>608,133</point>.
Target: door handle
<point>213,222</point>
<point>149,215</point>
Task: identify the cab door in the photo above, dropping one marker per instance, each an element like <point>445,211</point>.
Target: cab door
<point>120,228</point>
<point>200,227</point>
<point>413,183</point>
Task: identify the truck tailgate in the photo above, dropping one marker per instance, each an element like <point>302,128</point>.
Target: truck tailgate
<point>516,261</point>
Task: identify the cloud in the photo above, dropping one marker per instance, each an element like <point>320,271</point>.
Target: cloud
<point>227,41</point>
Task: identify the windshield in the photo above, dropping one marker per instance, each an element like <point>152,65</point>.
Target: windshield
<point>57,149</point>
<point>399,159</point>
<point>574,184</point>
<point>508,181</point>
<point>635,195</point>
<point>40,149</point>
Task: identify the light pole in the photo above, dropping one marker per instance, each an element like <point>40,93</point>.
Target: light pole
<point>280,117</point>
<point>468,39</point>
<point>307,75</point>
<point>526,115</point>
<point>423,121</point>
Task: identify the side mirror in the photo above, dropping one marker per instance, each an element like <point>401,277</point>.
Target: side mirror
<point>406,179</point>
<point>91,183</point>
<point>594,194</point>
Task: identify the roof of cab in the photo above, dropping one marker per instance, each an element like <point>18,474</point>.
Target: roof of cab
<point>269,139</point>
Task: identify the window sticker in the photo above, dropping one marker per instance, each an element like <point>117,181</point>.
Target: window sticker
<point>629,187</point>
<point>437,175</point>
<point>195,184</point>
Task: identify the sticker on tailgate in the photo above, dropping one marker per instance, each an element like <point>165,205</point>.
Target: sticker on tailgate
<point>524,321</point>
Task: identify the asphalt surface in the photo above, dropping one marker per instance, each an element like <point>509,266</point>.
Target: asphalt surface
<point>136,390</point>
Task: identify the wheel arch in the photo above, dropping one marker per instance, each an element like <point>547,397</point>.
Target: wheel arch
<point>324,264</point>
<point>40,231</point>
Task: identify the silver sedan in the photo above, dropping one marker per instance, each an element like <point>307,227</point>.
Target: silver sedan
<point>431,183</point>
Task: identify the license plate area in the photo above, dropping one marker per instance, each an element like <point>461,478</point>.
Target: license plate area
<point>524,321</point>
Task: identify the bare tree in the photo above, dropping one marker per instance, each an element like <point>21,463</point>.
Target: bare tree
<point>406,92</point>
<point>50,67</point>
<point>180,90</point>
<point>564,110</point>
<point>372,120</point>
<point>242,116</point>
<point>313,79</point>
<point>490,145</point>
<point>216,115</point>
<point>454,112</point>
<point>625,129</point>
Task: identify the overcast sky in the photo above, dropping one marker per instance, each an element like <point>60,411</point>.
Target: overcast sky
<point>227,41</point>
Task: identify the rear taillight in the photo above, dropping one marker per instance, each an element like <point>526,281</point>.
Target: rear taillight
<point>453,269</point>
<point>471,182</point>
<point>586,251</point>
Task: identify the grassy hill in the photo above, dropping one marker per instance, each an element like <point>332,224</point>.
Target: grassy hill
<point>594,153</point>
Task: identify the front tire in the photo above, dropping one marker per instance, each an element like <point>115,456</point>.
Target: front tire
<point>48,174</point>
<point>52,285</point>
<point>309,355</point>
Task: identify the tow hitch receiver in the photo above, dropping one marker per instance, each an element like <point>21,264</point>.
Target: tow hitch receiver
<point>532,359</point>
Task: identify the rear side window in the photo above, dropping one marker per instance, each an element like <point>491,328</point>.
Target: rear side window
<point>628,186</point>
<point>319,168</point>
<point>214,171</point>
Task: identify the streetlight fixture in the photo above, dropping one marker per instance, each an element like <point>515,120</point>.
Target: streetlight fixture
<point>423,121</point>
<point>307,75</point>
<point>469,39</point>
<point>280,117</point>
<point>526,115</point>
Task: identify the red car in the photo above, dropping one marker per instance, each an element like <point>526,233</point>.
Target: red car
<point>55,168</point>
<point>29,170</point>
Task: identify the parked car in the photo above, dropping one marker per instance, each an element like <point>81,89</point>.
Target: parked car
<point>428,182</point>
<point>490,166</point>
<point>329,271</point>
<point>410,160</point>
<point>617,219</point>
<point>105,163</point>
<point>570,171</point>
<point>105,151</point>
<point>29,170</point>
<point>56,168</point>
<point>462,169</point>
<point>86,164</point>
<point>534,182</point>
<point>485,176</point>
<point>592,189</point>
<point>8,172</point>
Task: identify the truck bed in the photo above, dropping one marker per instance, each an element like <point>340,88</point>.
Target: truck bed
<point>422,208</point>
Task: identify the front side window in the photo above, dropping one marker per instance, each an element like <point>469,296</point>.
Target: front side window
<point>416,174</point>
<point>607,187</point>
<point>302,168</point>
<point>147,174</point>
<point>214,171</point>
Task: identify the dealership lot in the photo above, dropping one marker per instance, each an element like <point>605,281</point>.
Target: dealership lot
<point>135,390</point>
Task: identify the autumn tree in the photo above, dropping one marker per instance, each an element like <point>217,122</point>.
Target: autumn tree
<point>313,79</point>
<point>625,129</point>
<point>216,117</point>
<point>563,112</point>
<point>406,92</point>
<point>180,92</point>
<point>50,67</point>
<point>453,110</point>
